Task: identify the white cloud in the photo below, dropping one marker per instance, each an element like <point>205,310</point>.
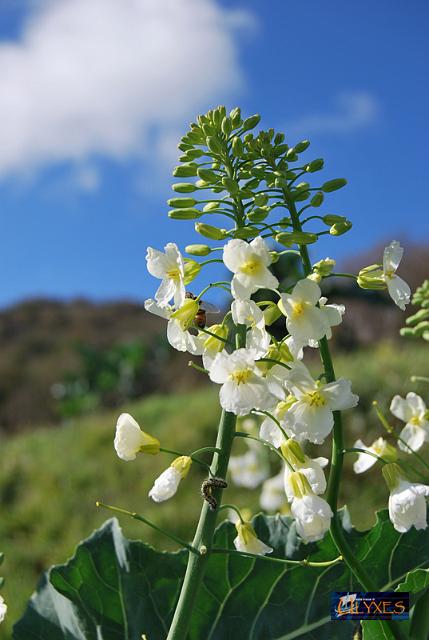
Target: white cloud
<point>352,111</point>
<point>96,77</point>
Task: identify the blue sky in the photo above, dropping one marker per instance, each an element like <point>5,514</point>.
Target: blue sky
<point>96,93</point>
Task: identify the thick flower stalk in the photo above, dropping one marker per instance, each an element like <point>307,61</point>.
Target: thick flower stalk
<point>250,184</point>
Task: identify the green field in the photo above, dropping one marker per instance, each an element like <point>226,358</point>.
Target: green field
<point>51,478</point>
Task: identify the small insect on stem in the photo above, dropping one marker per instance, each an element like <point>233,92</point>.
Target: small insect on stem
<point>207,489</point>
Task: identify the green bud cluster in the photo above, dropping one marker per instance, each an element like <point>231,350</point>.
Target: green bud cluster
<point>247,177</point>
<point>418,323</point>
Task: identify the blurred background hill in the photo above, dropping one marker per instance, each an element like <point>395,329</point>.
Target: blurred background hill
<point>60,360</point>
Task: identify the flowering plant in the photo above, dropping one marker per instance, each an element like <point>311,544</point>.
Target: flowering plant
<point>253,188</point>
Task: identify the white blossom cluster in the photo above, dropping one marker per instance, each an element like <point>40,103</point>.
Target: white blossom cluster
<point>267,377</point>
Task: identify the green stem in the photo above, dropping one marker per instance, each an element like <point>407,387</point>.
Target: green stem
<point>337,454</point>
<point>203,538</point>
<point>303,563</point>
<point>141,518</point>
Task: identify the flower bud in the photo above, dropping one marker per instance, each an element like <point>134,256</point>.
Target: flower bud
<point>333,185</point>
<point>392,475</point>
<point>185,214</point>
<point>212,344</point>
<point>259,214</point>
<point>302,146</point>
<point>186,313</point>
<point>339,228</point>
<point>295,237</point>
<point>191,270</point>
<point>198,249</point>
<point>187,170</point>
<point>371,277</point>
<point>317,199</point>
<point>247,541</point>
<point>214,233</point>
<point>245,233</point>
<point>215,145</point>
<point>182,464</point>
<point>184,187</point>
<point>235,116</point>
<point>210,206</point>
<point>179,203</point>
<point>324,267</point>
<point>315,165</point>
<point>237,147</point>
<point>226,126</point>
<point>130,439</point>
<point>251,122</point>
<point>207,175</point>
<point>299,484</point>
<point>271,314</point>
<point>331,219</point>
<point>292,452</point>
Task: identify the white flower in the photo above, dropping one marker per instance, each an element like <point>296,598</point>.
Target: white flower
<point>275,374</point>
<point>3,609</point>
<point>272,496</point>
<point>311,417</point>
<point>407,506</point>
<point>130,439</point>
<point>269,429</point>
<point>168,482</point>
<point>312,469</point>
<point>179,321</point>
<point>250,469</point>
<point>169,267</point>
<point>248,542</point>
<point>243,387</point>
<point>379,447</point>
<point>399,290</point>
<point>313,517</point>
<point>248,313</point>
<point>211,345</point>
<point>413,411</point>
<point>333,315</point>
<point>304,320</point>
<point>249,263</point>
<point>312,514</point>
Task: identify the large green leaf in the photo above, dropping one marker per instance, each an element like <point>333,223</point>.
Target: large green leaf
<point>114,589</point>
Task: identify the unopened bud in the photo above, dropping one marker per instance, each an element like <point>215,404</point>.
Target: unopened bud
<point>251,122</point>
<point>302,146</point>
<point>191,270</point>
<point>186,170</point>
<point>185,214</point>
<point>179,203</point>
<point>324,267</point>
<point>299,484</point>
<point>295,237</point>
<point>333,185</point>
<point>392,475</point>
<point>339,228</point>
<point>371,277</point>
<point>184,187</point>
<point>317,199</point>
<point>214,233</point>
<point>182,465</point>
<point>315,165</point>
<point>292,452</point>
<point>198,249</point>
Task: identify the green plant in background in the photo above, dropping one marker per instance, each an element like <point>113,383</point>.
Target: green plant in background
<point>266,578</point>
<point>418,323</point>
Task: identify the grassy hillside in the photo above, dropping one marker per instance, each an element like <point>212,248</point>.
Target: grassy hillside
<point>51,478</point>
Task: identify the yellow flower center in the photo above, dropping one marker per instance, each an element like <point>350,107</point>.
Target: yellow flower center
<point>174,274</point>
<point>315,399</point>
<point>251,267</point>
<point>241,376</point>
<point>416,421</point>
<point>298,309</point>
